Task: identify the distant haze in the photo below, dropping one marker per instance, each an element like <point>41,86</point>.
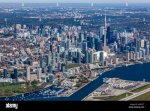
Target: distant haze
<point>76,1</point>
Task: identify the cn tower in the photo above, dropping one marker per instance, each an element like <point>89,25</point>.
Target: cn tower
<point>105,29</point>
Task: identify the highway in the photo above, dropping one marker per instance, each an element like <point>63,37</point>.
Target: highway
<point>136,95</point>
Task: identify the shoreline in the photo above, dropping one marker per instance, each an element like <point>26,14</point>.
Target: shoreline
<point>132,64</point>
<point>101,72</point>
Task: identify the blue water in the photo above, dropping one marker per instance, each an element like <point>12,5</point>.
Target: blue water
<point>134,73</point>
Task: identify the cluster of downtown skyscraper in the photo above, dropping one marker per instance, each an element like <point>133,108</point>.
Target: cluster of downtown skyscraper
<point>49,50</point>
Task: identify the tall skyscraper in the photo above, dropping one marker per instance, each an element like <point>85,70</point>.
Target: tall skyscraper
<point>98,44</point>
<point>91,57</point>
<point>138,45</point>
<point>108,35</point>
<point>91,42</point>
<point>48,59</point>
<point>84,47</point>
<point>5,22</point>
<point>105,48</point>
<point>86,58</point>
<point>101,34</point>
<point>101,57</point>
<point>81,37</point>
<point>78,57</point>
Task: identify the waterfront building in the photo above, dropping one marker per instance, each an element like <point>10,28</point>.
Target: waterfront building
<point>147,49</point>
<point>50,78</point>
<point>5,73</point>
<point>39,74</point>
<point>127,56</point>
<point>142,43</point>
<point>105,63</point>
<point>101,57</point>
<point>15,76</point>
<point>94,58</point>
<point>137,55</point>
<point>134,56</point>
<point>116,61</point>
<point>28,75</point>
<point>138,45</point>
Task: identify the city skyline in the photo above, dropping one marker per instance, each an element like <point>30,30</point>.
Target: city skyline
<point>84,52</point>
<point>74,1</point>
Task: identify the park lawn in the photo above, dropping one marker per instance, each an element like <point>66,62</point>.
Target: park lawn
<point>15,89</point>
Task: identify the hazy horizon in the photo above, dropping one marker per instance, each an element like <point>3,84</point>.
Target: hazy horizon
<point>74,1</point>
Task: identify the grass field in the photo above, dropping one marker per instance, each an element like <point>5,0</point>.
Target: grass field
<point>15,89</point>
<point>144,97</point>
<point>113,98</point>
<point>141,88</point>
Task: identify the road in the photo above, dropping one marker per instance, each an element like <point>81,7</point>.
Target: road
<point>136,95</point>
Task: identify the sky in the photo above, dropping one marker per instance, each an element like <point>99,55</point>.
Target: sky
<point>77,1</point>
